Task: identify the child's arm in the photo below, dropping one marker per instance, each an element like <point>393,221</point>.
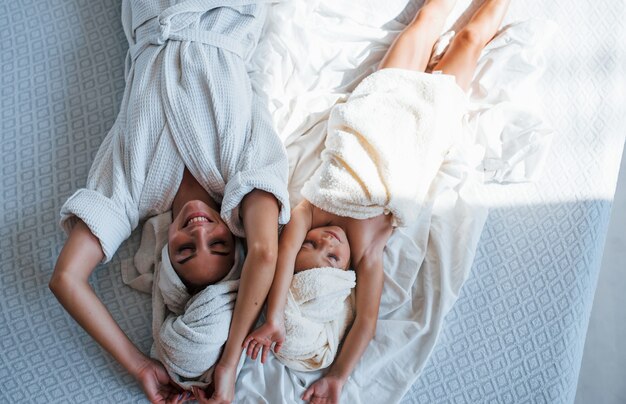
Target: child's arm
<point>79,257</point>
<point>291,239</point>
<point>368,239</point>
<point>259,212</point>
<point>368,292</point>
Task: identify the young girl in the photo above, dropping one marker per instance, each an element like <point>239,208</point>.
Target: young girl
<point>383,148</point>
<point>193,137</point>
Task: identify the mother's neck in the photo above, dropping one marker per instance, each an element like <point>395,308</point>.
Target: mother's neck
<point>191,190</point>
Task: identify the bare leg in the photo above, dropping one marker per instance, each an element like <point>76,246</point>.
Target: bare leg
<point>461,57</point>
<point>412,48</point>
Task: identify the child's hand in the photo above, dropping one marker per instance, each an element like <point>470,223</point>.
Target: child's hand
<point>325,390</point>
<point>262,338</point>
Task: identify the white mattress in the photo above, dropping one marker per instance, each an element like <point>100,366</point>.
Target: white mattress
<point>517,331</point>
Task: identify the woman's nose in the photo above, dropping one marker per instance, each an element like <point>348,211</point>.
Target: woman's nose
<point>204,231</point>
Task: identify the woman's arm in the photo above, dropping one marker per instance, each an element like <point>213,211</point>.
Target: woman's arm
<point>290,243</point>
<point>291,240</point>
<point>259,212</point>
<point>69,283</point>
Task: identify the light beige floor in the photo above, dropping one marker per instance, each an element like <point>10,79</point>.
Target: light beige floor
<point>602,377</point>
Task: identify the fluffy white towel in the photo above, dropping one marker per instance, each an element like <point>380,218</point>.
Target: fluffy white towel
<point>318,312</point>
<point>385,145</point>
<point>189,331</point>
<point>138,272</point>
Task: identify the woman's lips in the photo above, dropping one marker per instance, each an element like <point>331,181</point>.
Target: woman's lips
<point>197,218</point>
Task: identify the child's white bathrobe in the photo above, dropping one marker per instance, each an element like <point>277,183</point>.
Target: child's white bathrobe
<point>189,103</point>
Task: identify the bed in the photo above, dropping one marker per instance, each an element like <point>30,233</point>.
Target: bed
<point>517,331</point>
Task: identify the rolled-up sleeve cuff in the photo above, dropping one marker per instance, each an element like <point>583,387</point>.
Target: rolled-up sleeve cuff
<point>241,185</point>
<point>108,221</point>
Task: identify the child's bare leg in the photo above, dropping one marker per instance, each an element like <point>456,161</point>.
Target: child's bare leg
<point>412,48</point>
<point>461,57</point>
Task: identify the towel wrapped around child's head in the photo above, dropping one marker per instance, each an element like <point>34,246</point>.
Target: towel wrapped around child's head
<point>190,331</point>
<point>319,310</point>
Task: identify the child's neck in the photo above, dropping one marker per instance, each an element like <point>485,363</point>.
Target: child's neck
<point>191,190</point>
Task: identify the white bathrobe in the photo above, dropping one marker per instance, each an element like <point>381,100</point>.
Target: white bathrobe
<point>318,312</point>
<point>385,145</point>
<point>189,103</point>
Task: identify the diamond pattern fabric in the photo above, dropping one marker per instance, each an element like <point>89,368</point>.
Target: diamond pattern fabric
<point>517,332</point>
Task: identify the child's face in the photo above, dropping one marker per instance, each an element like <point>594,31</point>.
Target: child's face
<point>201,247</point>
<point>325,246</point>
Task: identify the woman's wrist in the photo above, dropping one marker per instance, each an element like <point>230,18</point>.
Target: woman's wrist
<point>230,356</point>
<point>137,364</point>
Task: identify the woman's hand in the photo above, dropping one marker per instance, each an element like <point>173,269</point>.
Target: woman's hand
<point>222,390</point>
<point>156,383</point>
<point>272,332</point>
<point>326,390</point>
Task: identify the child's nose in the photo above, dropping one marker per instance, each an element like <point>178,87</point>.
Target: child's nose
<point>327,239</point>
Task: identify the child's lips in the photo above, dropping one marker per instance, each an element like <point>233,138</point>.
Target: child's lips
<point>332,233</point>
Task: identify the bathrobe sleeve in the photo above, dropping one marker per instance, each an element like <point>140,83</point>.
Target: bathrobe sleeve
<point>263,165</point>
<point>105,204</point>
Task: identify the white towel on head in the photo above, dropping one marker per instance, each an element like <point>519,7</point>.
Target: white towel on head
<point>138,272</point>
<point>190,331</point>
<point>317,314</point>
<point>385,145</point>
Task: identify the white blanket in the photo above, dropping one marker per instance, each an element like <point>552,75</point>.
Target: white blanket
<point>312,55</point>
<point>317,314</point>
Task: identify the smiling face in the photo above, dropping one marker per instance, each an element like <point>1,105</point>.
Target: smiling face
<point>200,245</point>
<point>325,246</point>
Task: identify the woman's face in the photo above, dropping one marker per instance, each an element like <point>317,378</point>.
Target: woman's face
<point>325,246</point>
<point>201,247</point>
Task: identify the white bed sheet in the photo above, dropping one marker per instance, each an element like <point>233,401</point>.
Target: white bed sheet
<point>304,68</point>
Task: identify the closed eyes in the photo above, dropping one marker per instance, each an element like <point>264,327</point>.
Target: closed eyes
<point>310,242</point>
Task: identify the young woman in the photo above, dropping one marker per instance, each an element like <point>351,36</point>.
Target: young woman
<point>193,137</point>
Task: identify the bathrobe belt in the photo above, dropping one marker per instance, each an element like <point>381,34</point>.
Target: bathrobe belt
<point>163,28</point>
